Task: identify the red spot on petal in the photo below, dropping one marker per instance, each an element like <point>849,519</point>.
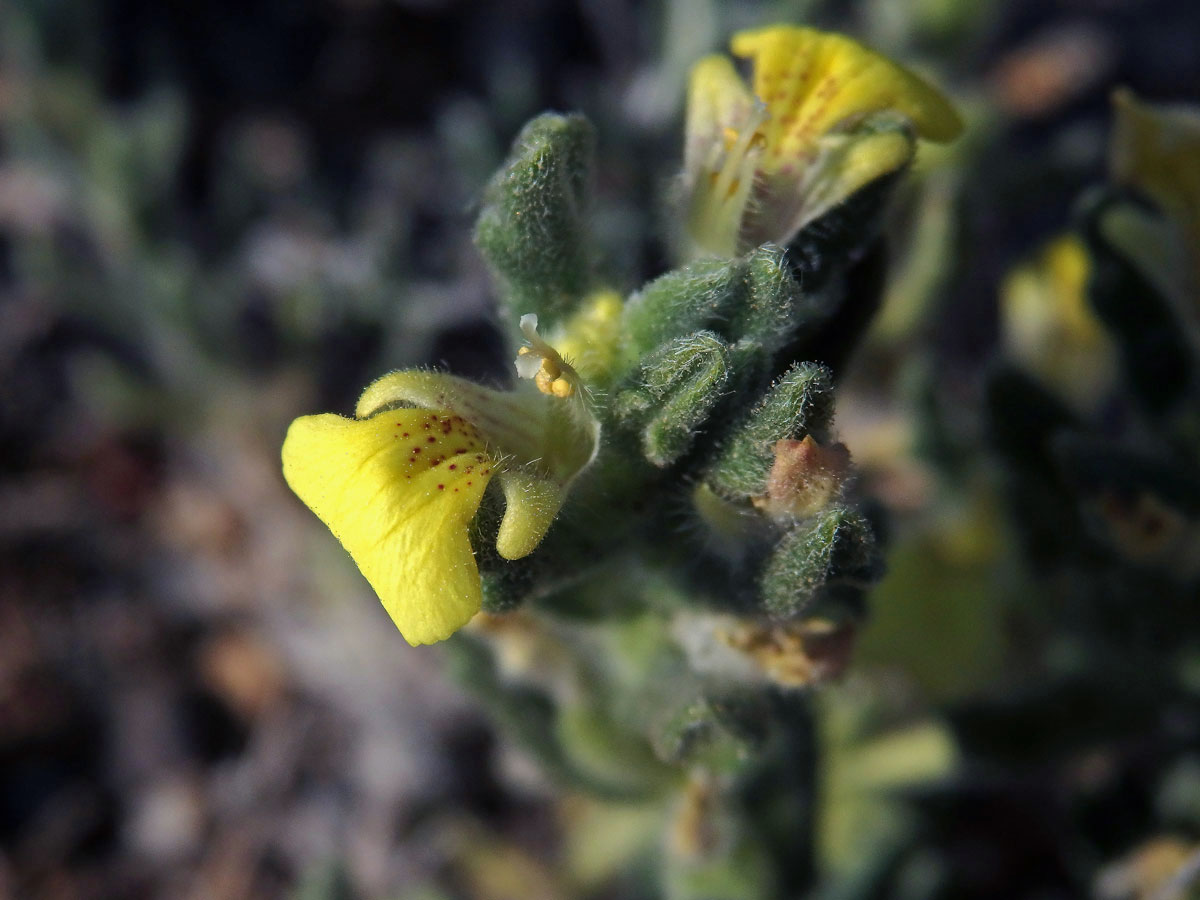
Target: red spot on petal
<point>431,439</point>
<point>453,466</point>
<point>405,434</point>
<point>441,487</point>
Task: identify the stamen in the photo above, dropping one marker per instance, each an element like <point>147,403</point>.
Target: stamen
<point>542,363</point>
<point>735,158</point>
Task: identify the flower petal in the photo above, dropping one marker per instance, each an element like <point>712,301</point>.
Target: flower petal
<point>814,83</point>
<point>717,99</point>
<point>399,491</point>
<point>1048,327</point>
<point>721,154</point>
<point>513,423</point>
<point>531,503</point>
<point>841,165</point>
<point>550,436</point>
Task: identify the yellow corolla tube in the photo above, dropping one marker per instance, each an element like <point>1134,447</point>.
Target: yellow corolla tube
<point>824,116</point>
<point>399,484</point>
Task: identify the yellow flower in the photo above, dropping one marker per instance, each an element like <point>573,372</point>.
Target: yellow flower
<point>826,117</point>
<point>399,484</point>
<point>1049,328</point>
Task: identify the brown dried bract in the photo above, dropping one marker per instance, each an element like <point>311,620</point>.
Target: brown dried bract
<point>804,479</point>
<point>795,654</point>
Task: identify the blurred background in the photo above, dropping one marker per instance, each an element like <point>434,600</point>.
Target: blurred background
<point>215,217</point>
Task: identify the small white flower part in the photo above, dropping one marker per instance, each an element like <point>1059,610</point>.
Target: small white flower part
<point>528,364</point>
<point>528,325</point>
<point>541,362</point>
